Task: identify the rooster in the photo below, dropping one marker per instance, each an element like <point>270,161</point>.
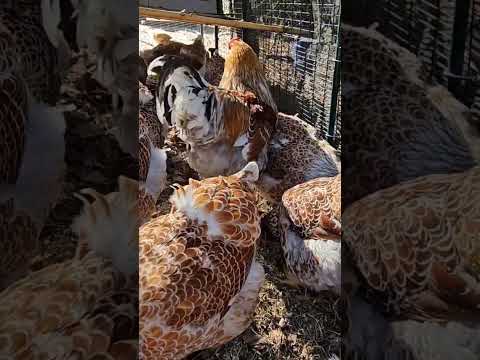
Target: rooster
<point>243,72</point>
<point>223,129</point>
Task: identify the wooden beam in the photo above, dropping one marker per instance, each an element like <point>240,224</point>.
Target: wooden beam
<point>207,20</point>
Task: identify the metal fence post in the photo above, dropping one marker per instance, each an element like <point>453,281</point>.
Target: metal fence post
<point>335,91</point>
<point>457,56</point>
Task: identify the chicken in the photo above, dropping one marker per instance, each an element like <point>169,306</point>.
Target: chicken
<point>107,30</point>
<point>42,53</point>
<point>24,207</point>
<point>296,155</point>
<point>214,63</point>
<point>152,158</point>
<point>377,339</point>
<point>85,307</point>
<point>415,246</point>
<point>199,280</point>
<point>32,165</point>
<point>401,129</point>
<point>217,143</point>
<point>311,232</point>
<point>406,132</point>
<point>243,72</point>
<point>166,46</point>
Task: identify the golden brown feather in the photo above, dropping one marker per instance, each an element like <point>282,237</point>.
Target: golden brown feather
<point>416,245</point>
<point>243,72</point>
<point>310,229</point>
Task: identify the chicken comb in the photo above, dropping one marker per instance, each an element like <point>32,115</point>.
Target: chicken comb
<point>234,40</point>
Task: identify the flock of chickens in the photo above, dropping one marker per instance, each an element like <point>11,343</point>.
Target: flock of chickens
<point>199,277</point>
<point>196,267</point>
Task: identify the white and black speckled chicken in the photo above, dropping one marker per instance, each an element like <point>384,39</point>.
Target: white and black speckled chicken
<point>221,140</point>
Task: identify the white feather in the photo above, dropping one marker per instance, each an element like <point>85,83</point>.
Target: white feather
<point>157,171</point>
<point>185,203</point>
<point>328,254</point>
<point>110,226</point>
<point>157,62</point>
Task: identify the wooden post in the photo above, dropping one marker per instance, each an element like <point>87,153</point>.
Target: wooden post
<point>208,20</point>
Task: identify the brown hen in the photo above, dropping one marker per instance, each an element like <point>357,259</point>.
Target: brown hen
<point>199,280</point>
<point>416,245</point>
<point>244,72</point>
<point>311,232</point>
<point>85,307</point>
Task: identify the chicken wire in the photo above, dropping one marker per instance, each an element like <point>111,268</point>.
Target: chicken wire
<point>303,71</point>
<point>444,34</point>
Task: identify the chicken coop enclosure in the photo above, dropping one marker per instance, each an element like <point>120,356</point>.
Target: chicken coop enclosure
<point>303,70</point>
<point>445,35</point>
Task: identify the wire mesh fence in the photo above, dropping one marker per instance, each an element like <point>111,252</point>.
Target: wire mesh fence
<point>444,34</point>
<point>303,71</point>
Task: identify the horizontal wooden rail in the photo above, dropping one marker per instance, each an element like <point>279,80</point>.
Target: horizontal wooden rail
<point>207,20</point>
